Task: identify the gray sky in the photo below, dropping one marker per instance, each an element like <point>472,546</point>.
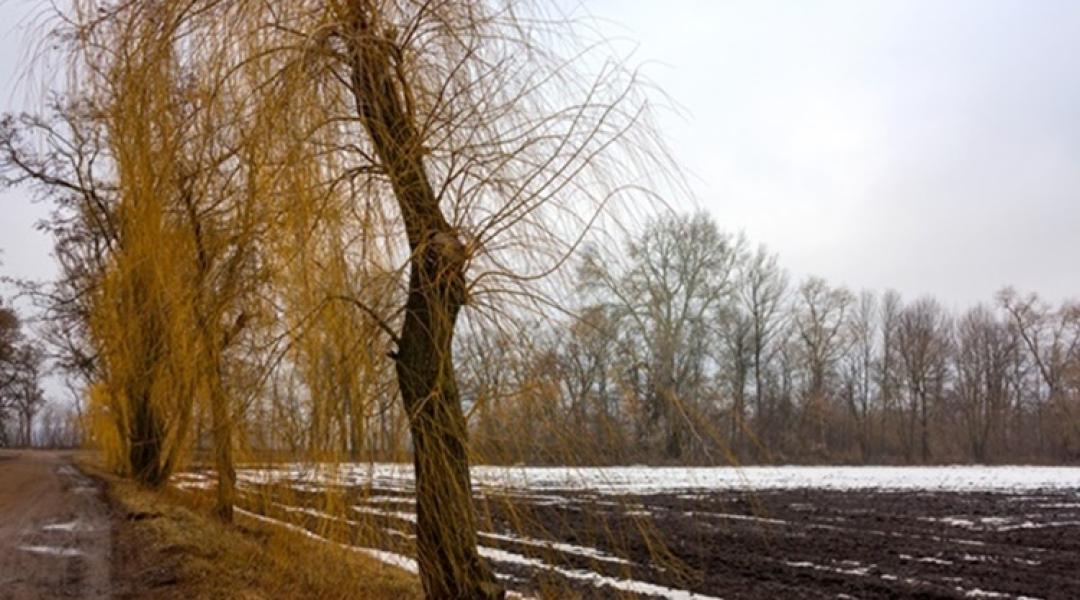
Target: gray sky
<point>932,147</point>
<point>24,252</point>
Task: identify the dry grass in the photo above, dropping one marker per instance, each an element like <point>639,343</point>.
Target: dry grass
<point>168,546</point>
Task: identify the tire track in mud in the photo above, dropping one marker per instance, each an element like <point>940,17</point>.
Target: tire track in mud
<point>54,529</point>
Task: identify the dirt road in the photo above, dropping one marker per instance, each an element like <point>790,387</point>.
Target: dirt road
<point>54,529</point>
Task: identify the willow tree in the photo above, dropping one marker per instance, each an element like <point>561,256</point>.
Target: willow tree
<point>489,142</point>
<point>155,223</point>
<point>469,144</point>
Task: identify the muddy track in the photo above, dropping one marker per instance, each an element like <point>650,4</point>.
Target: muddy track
<point>54,529</point>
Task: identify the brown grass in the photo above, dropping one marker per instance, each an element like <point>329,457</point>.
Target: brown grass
<point>167,546</point>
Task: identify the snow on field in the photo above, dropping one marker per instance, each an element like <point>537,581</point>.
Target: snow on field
<point>646,480</point>
<point>908,550</point>
<point>390,558</point>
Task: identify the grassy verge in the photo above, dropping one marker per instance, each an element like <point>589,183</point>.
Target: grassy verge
<point>167,546</point>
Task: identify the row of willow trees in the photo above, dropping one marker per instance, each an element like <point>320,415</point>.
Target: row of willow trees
<point>689,345</point>
<point>271,219</point>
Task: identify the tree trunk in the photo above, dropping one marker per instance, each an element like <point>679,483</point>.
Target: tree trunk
<point>446,523</point>
<point>145,434</point>
<point>738,415</point>
<point>924,430</point>
<point>223,451</point>
<point>450,565</point>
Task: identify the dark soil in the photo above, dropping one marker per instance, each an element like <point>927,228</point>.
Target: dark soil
<point>769,544</point>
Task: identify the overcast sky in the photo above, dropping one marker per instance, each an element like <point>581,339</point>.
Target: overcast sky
<point>932,147</point>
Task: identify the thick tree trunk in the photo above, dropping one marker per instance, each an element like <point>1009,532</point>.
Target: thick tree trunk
<point>446,523</point>
<point>145,433</point>
<point>450,565</point>
<point>223,452</point>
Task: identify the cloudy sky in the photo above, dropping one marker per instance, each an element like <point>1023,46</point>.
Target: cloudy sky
<point>932,147</point>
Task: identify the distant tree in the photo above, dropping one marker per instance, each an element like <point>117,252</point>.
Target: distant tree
<point>858,369</point>
<point>821,313</point>
<point>677,273</point>
<point>761,289</point>
<point>736,360</point>
<point>10,335</point>
<point>587,367</point>
<point>923,344</point>
<point>984,352</point>
<point>28,397</point>
<point>1052,340</point>
<point>886,365</point>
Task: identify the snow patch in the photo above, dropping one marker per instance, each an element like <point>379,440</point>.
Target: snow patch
<point>583,551</point>
<point>52,551</point>
<point>389,558</point>
<point>70,526</point>
<point>595,579</point>
<point>860,571</point>
<point>687,480</point>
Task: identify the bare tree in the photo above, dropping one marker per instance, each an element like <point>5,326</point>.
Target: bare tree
<point>819,321</point>
<point>28,397</point>
<point>858,370</point>
<point>1052,340</point>
<point>886,373</point>
<point>923,347</point>
<point>736,359</point>
<point>586,364</point>
<point>679,272</point>
<point>10,335</point>
<point>985,348</point>
<point>762,287</point>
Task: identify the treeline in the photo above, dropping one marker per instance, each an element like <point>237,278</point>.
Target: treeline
<point>691,346</point>
<point>22,362</point>
<point>686,345</point>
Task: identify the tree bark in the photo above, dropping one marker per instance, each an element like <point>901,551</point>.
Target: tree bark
<point>223,449</point>
<point>450,565</point>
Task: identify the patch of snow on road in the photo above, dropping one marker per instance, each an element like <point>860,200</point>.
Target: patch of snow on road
<point>69,526</point>
<point>52,551</point>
